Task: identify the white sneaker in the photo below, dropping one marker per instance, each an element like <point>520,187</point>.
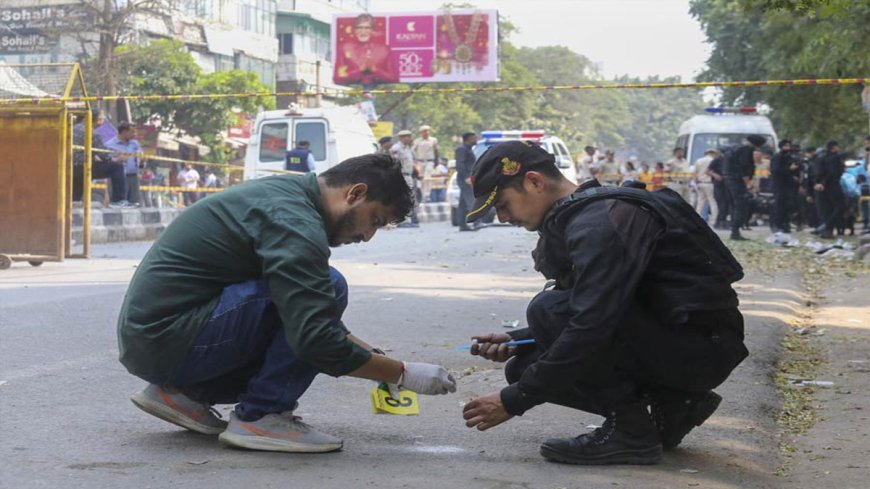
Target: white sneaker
<point>276,432</point>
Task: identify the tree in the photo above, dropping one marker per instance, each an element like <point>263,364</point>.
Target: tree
<point>655,116</point>
<point>164,67</point>
<point>111,20</point>
<point>579,117</point>
<point>207,117</point>
<point>765,40</point>
<point>160,68</point>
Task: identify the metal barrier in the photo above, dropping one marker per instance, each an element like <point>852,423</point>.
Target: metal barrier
<point>36,171</point>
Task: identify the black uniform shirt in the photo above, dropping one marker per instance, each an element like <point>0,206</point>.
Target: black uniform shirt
<point>741,164</point>
<point>609,244</point>
<point>464,162</point>
<point>780,174</point>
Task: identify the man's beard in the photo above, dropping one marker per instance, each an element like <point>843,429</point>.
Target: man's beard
<point>343,222</point>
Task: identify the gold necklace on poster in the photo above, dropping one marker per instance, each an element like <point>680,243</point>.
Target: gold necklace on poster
<point>462,51</point>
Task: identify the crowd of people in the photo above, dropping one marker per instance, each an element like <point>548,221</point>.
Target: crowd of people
<point>733,188</point>
<point>121,161</point>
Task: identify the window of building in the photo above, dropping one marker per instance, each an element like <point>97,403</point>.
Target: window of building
<point>258,16</point>
<point>285,43</point>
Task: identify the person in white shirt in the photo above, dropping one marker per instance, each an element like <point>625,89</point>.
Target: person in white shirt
<point>188,179</point>
<point>705,185</point>
<point>586,164</point>
<point>426,154</point>
<point>678,166</point>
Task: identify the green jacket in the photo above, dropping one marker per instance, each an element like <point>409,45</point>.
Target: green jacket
<point>272,229</point>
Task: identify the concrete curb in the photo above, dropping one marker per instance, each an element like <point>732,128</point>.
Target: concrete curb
<point>146,223</point>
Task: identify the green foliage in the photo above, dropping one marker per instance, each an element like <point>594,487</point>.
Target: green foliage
<point>160,68</point>
<point>757,40</point>
<point>656,115</point>
<point>643,123</point>
<point>206,117</point>
<point>165,67</point>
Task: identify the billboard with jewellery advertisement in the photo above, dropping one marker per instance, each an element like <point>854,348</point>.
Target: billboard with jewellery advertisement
<point>455,45</point>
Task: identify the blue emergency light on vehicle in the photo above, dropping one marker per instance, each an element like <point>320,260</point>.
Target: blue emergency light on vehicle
<point>731,110</point>
<point>507,135</point>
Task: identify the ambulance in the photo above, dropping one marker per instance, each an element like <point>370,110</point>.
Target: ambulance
<point>722,128</point>
<point>334,134</point>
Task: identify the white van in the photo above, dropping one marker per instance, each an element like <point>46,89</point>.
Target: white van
<point>334,134</point>
<point>722,128</point>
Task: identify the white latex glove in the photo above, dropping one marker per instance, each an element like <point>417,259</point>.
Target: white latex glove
<point>426,378</point>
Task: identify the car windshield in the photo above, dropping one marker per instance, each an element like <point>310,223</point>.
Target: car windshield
<point>702,142</point>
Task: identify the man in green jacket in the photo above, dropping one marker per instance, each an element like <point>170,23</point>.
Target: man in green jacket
<point>236,303</point>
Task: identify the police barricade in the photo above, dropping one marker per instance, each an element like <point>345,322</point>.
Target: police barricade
<point>36,165</point>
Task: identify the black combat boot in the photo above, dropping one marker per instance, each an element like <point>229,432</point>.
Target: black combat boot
<point>627,436</point>
<point>677,417</point>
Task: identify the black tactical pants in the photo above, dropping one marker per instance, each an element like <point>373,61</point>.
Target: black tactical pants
<point>646,357</point>
<point>832,204</point>
<point>739,203</point>
<point>723,201</point>
<point>782,206</point>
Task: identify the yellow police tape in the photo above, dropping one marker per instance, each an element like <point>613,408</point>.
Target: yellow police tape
<point>479,89</point>
<point>144,156</point>
<point>164,188</point>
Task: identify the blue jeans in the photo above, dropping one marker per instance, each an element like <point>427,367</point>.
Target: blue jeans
<point>437,194</point>
<point>241,354</point>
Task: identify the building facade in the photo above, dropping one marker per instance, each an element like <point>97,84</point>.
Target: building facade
<point>304,48</point>
<point>220,34</point>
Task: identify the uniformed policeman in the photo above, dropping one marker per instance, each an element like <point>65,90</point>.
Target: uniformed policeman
<point>739,170</point>
<point>300,158</point>
<point>642,322</point>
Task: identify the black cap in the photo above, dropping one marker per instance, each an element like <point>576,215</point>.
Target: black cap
<point>755,139</point>
<point>500,163</point>
<point>385,139</point>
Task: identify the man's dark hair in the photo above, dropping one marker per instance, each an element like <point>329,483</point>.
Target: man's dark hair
<point>303,144</point>
<point>466,136</point>
<point>551,171</point>
<point>783,142</point>
<point>678,148</point>
<point>124,127</point>
<point>810,149</point>
<point>831,144</point>
<point>587,148</point>
<point>383,175</point>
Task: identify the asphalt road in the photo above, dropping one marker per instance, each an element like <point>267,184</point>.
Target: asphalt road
<point>65,418</point>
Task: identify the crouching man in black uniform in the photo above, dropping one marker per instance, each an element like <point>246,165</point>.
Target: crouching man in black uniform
<point>642,322</point>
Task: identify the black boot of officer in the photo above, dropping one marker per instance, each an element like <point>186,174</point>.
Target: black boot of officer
<point>676,415</point>
<point>628,436</point>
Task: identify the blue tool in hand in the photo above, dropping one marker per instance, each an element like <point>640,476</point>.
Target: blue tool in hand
<point>507,343</point>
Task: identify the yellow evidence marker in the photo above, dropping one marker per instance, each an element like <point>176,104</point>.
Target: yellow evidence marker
<point>383,403</point>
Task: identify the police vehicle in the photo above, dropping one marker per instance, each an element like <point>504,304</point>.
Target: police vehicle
<point>551,144</point>
<point>722,128</point>
<point>334,134</point>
